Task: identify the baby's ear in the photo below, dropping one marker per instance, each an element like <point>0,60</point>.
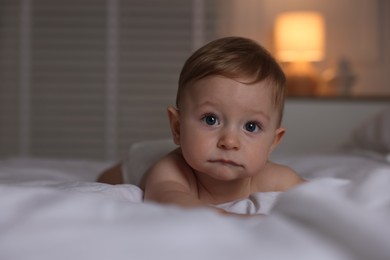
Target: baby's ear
<point>174,122</point>
<point>279,133</point>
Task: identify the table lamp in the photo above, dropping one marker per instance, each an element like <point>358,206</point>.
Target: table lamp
<point>299,41</point>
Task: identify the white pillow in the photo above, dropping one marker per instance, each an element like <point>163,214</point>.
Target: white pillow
<point>374,133</point>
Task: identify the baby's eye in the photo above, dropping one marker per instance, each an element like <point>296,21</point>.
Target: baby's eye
<point>210,120</point>
<point>252,127</point>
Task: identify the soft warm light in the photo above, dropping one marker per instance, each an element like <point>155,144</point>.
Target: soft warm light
<point>299,36</point>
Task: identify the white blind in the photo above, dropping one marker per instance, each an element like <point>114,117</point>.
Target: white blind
<point>98,74</point>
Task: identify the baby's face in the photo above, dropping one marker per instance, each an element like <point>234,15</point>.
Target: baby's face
<point>227,128</point>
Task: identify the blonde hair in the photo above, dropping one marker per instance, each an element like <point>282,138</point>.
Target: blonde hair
<point>235,58</point>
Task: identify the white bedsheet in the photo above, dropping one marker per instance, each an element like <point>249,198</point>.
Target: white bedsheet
<point>54,210</point>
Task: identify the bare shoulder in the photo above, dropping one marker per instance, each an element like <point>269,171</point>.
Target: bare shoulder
<point>277,177</point>
<point>171,168</point>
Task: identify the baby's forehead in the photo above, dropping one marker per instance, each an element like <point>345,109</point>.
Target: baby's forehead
<point>222,89</point>
<point>223,84</point>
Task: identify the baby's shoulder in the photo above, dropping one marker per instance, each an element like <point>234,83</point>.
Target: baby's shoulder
<point>173,161</point>
<point>278,177</point>
<point>171,167</point>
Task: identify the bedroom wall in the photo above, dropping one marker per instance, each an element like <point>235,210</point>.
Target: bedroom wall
<point>355,29</point>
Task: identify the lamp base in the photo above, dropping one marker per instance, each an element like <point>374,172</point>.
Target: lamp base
<point>302,79</point>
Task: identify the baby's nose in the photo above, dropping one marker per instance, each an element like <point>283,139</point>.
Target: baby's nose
<point>229,141</point>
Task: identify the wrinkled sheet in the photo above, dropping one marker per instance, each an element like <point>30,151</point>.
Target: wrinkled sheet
<point>54,210</point>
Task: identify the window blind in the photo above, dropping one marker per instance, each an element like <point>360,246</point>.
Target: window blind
<point>153,44</point>
<point>9,66</point>
<point>68,65</point>
<point>86,78</point>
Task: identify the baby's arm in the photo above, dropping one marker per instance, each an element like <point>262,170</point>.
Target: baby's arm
<point>112,175</point>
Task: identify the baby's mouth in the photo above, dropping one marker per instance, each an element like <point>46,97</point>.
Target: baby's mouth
<point>226,162</point>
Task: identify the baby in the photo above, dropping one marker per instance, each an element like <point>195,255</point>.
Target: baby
<point>226,123</point>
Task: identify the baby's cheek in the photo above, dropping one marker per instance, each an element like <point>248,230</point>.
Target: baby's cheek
<point>192,158</point>
<point>256,160</point>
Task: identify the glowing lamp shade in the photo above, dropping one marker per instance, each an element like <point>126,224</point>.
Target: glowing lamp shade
<point>299,36</point>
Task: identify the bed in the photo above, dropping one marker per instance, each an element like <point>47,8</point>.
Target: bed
<point>53,209</point>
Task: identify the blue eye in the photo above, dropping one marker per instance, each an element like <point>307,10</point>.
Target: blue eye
<point>210,120</point>
<point>252,127</point>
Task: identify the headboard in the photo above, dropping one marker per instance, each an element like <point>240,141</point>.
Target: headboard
<point>324,124</point>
